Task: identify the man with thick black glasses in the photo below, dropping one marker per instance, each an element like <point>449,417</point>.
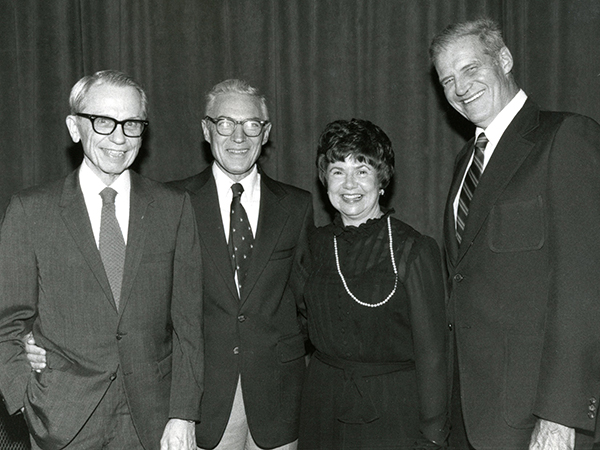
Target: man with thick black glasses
<point>104,267</point>
<point>253,232</point>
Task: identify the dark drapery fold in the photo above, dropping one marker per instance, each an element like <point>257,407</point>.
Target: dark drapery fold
<point>316,61</point>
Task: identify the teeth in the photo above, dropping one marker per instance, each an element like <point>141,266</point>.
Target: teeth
<point>475,97</point>
<point>352,196</point>
<point>115,153</point>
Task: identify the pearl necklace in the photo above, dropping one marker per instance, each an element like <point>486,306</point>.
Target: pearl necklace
<point>337,263</point>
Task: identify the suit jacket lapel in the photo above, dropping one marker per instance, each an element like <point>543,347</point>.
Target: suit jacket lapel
<point>508,156</point>
<point>205,201</point>
<point>139,207</point>
<point>271,222</point>
<point>77,220</point>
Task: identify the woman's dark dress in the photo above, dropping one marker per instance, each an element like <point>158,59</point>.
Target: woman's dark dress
<point>398,347</point>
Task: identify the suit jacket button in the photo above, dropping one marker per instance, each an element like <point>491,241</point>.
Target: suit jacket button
<point>593,400</point>
<point>591,415</point>
<point>592,408</point>
<point>458,277</point>
<point>450,326</point>
<point>241,318</point>
<point>119,336</point>
<point>236,350</point>
<point>113,377</point>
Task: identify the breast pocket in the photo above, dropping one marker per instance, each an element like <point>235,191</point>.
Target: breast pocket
<point>517,226</point>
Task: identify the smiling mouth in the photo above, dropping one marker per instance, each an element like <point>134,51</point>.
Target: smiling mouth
<point>473,98</point>
<point>351,198</point>
<point>237,151</point>
<point>114,153</point>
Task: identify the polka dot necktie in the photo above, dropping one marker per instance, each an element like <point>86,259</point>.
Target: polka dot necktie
<point>241,240</point>
<point>469,185</point>
<point>112,244</point>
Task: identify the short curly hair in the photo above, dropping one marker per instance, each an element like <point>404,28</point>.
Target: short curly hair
<point>360,140</point>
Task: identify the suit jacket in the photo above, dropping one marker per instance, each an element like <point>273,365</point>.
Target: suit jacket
<point>524,299</point>
<point>257,337</point>
<point>52,280</point>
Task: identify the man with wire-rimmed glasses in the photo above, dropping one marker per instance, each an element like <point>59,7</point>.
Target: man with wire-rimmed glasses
<point>253,277</point>
<point>104,269</point>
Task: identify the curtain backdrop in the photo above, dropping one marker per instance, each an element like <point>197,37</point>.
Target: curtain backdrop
<point>316,61</point>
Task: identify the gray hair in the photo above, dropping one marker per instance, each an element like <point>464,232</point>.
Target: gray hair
<point>487,30</point>
<point>235,86</point>
<point>110,77</point>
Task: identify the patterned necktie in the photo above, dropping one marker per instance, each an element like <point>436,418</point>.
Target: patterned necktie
<point>112,244</point>
<point>469,185</point>
<point>241,240</point>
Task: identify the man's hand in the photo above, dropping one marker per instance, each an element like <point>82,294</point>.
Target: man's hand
<point>179,435</point>
<point>35,355</point>
<point>552,436</point>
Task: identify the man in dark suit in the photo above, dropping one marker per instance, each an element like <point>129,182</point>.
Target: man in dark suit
<point>254,344</point>
<point>104,267</point>
<point>522,238</point>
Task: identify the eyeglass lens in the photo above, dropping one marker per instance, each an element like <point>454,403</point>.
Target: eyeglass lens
<point>106,125</point>
<point>226,127</point>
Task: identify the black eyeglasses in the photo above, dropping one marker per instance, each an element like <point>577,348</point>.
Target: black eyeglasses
<point>106,125</point>
<point>226,125</point>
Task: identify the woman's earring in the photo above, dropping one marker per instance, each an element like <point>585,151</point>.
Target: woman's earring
<point>381,191</point>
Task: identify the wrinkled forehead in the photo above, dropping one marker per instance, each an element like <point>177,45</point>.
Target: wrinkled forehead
<point>114,101</point>
<point>237,106</point>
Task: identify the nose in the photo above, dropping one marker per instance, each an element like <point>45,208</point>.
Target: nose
<point>349,181</point>
<point>117,136</point>
<point>238,134</point>
<point>461,86</point>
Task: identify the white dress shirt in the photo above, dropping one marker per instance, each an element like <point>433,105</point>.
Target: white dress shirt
<point>91,186</point>
<point>250,197</point>
<point>493,132</point>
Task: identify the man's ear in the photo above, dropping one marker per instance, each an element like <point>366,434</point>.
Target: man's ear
<point>266,132</point>
<point>206,131</point>
<point>73,128</point>
<point>506,60</point>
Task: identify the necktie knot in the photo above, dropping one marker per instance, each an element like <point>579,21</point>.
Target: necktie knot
<point>108,196</point>
<point>237,189</point>
<point>482,141</point>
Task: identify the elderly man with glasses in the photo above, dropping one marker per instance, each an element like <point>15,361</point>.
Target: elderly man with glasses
<point>104,267</point>
<point>253,232</point>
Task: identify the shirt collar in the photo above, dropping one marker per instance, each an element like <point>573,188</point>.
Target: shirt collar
<point>496,129</point>
<point>90,182</point>
<point>224,183</point>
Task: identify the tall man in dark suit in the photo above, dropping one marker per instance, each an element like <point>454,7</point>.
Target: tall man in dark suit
<point>254,345</point>
<point>522,235</point>
<point>104,267</point>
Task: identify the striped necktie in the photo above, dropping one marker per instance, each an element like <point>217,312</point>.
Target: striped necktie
<point>469,185</point>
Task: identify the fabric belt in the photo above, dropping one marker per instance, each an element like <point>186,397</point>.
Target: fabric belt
<point>356,404</point>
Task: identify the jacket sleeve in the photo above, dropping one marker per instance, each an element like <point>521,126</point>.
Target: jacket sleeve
<point>425,287</point>
<point>18,303</point>
<point>186,312</point>
<point>569,386</point>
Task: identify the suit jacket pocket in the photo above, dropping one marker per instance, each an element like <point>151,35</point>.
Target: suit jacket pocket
<point>521,373</point>
<point>290,348</point>
<point>58,403</point>
<point>157,257</point>
<point>282,254</point>
<point>517,226</point>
